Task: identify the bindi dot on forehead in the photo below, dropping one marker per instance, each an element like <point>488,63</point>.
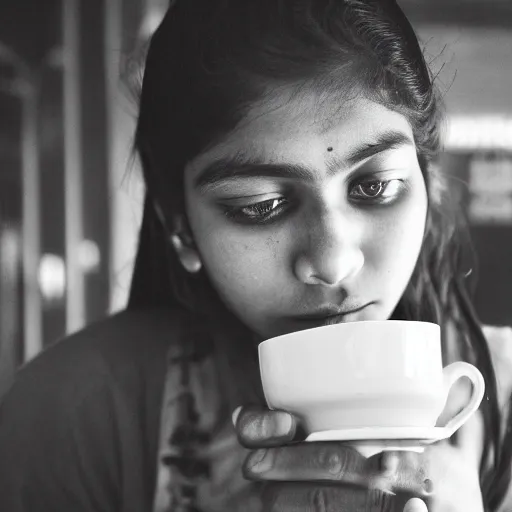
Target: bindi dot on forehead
<point>330,148</point>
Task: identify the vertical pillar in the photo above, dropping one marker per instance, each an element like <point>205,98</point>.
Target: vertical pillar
<point>31,228</point>
<point>95,253</point>
<point>86,163</point>
<point>75,294</point>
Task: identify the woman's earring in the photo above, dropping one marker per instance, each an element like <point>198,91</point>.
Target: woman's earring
<point>188,256</point>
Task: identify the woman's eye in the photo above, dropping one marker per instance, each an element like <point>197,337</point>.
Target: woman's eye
<point>370,192</point>
<point>376,190</point>
<point>257,212</point>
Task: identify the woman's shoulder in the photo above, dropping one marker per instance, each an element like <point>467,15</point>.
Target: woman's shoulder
<point>123,348</point>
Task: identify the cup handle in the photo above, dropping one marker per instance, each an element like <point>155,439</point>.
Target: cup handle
<point>452,373</point>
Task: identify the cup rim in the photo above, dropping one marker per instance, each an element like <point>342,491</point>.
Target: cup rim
<point>335,326</point>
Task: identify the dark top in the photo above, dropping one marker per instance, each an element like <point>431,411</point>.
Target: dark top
<point>79,428</point>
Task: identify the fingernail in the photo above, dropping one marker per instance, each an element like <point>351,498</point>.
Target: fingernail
<point>258,461</point>
<point>235,415</point>
<point>415,505</point>
<point>284,424</point>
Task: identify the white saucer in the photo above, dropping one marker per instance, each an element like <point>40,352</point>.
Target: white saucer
<point>420,435</point>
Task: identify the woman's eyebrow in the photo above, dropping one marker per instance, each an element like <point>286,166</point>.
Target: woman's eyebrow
<point>385,141</point>
<point>241,166</point>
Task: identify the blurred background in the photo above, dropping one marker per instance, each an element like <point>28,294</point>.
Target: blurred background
<point>70,195</point>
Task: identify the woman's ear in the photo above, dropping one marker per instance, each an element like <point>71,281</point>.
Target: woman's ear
<point>183,244</point>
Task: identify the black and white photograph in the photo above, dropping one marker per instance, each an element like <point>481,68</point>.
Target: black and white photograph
<point>255,255</point>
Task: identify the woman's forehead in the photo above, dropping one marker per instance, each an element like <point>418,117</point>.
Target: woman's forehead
<point>291,130</point>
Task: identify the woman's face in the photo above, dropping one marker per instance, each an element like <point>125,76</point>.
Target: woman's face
<point>303,220</point>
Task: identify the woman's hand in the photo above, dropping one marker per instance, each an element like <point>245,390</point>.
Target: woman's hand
<point>325,476</point>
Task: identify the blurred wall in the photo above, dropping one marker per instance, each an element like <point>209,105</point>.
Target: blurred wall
<point>474,66</point>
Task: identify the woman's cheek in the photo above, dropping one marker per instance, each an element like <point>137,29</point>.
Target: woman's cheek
<point>238,258</point>
<point>393,240</point>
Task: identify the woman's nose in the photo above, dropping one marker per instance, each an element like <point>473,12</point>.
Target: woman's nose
<point>332,253</point>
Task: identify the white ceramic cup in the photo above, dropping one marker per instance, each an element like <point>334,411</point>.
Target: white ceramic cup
<point>362,375</point>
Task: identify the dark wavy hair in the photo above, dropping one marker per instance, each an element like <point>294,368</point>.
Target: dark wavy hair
<point>211,60</point>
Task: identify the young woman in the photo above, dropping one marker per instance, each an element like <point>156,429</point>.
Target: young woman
<point>286,147</point>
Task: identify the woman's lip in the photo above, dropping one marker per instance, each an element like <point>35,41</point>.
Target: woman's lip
<point>333,315</point>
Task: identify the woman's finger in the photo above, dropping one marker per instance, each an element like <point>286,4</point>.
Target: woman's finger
<point>306,497</point>
<point>340,463</point>
<point>258,427</point>
<point>307,462</point>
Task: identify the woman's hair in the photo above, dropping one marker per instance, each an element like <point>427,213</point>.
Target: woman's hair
<point>210,61</point>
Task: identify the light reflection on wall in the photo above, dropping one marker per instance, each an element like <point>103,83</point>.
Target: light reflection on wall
<point>52,278</point>
<point>52,271</point>
<point>492,133</point>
